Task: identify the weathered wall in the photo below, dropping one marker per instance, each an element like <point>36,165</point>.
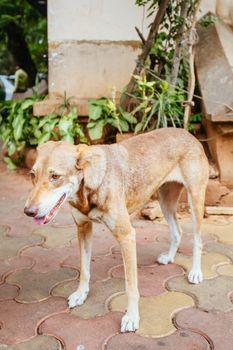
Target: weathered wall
<point>92,45</point>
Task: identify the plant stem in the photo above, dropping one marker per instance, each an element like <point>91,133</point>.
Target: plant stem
<point>146,50</point>
<point>177,55</point>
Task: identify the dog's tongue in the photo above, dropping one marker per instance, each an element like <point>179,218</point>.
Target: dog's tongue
<point>40,221</point>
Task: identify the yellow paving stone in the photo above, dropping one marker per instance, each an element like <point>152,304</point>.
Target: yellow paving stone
<point>209,263</point>
<point>156,313</point>
<point>224,233</point>
<point>221,227</point>
<point>226,270</point>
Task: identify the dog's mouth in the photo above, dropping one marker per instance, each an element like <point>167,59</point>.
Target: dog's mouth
<point>41,220</point>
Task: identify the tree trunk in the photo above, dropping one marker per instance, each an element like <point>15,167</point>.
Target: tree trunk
<point>18,48</point>
<point>145,52</point>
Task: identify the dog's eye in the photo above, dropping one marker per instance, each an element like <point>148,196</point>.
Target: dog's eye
<point>54,177</point>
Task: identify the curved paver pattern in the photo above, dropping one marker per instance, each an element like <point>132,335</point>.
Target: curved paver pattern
<point>155,312</point>
<point>75,331</point>
<point>19,321</point>
<point>36,286</point>
<point>211,294</point>
<point>99,293</point>
<point>210,261</point>
<point>10,246</point>
<point>180,340</point>
<point>151,279</point>
<point>39,269</point>
<point>41,342</point>
<point>217,326</point>
<point>8,292</point>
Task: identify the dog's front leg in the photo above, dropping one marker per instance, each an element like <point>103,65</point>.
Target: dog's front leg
<point>125,234</point>
<point>85,244</point>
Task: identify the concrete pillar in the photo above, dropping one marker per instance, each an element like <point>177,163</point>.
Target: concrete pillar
<point>93,46</point>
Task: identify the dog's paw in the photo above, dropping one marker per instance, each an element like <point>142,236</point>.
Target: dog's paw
<point>165,259</point>
<point>195,276</point>
<point>77,298</point>
<point>129,323</point>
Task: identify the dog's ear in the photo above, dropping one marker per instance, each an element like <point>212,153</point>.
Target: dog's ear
<point>92,161</point>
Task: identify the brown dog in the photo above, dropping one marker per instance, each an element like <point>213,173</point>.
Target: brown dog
<point>108,182</point>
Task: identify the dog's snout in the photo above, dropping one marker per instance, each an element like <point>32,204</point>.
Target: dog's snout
<point>31,211</point>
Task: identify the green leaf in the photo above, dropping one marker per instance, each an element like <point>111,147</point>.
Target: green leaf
<point>9,162</point>
<point>18,130</point>
<point>94,111</point>
<point>68,138</point>
<point>12,148</point>
<point>37,133</point>
<point>27,103</point>
<point>138,128</point>
<point>91,124</point>
<point>64,125</point>
<point>44,138</point>
<point>96,132</point>
<point>129,117</point>
<point>123,125</point>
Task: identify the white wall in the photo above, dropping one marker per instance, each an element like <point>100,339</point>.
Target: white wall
<point>93,45</point>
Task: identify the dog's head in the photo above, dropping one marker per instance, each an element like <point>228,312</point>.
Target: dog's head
<point>57,174</point>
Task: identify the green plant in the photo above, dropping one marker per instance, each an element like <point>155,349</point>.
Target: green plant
<point>103,112</point>
<point>156,105</point>
<point>19,129</point>
<point>208,19</point>
<point>194,120</point>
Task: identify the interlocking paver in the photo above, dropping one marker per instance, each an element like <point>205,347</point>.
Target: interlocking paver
<point>41,342</point>
<point>56,236</point>
<point>8,292</point>
<point>148,231</point>
<point>36,286</point>
<point>222,232</point>
<point>209,263</point>
<point>100,265</point>
<point>19,321</point>
<point>19,227</point>
<point>222,248</point>
<point>151,279</point>
<point>10,246</point>
<point>8,266</point>
<point>100,292</point>
<point>75,331</point>
<point>211,294</point>
<point>147,253</point>
<point>225,270</point>
<point>180,340</point>
<point>217,326</point>
<point>48,259</point>
<point>186,244</point>
<point>160,308</point>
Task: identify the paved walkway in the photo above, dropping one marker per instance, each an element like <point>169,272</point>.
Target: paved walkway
<point>39,268</point>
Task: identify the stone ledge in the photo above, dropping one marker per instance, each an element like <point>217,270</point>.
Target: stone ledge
<point>53,105</point>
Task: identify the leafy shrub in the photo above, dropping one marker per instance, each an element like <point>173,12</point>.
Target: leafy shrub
<point>20,129</point>
<point>103,112</point>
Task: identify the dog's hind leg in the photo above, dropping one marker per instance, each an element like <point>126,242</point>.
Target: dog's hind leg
<point>85,245</point>
<point>169,194</point>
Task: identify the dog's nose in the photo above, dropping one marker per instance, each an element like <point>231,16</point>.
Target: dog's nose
<point>31,211</point>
